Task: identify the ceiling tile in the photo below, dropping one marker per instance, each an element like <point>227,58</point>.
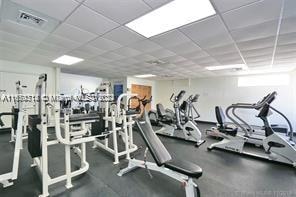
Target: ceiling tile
<point>257,31</point>
<point>185,48</point>
<point>58,9</point>
<point>123,36</point>
<point>22,30</point>
<point>121,11</point>
<point>9,37</point>
<point>288,25</point>
<point>222,50</point>
<point>257,43</point>
<point>162,53</point>
<point>145,57</point>
<point>226,5</point>
<point>91,21</point>
<point>86,51</point>
<point>74,33</point>
<point>289,8</point>
<point>100,60</point>
<point>61,41</point>
<point>112,56</point>
<point>145,46</point>
<point>105,44</point>
<point>257,13</point>
<point>171,38</point>
<point>157,3</point>
<point>127,52</point>
<point>208,33</point>
<point>195,55</point>
<point>256,52</point>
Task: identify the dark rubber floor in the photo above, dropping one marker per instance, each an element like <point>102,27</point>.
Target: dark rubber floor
<point>224,174</point>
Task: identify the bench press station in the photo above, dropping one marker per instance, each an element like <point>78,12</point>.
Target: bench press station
<point>180,170</point>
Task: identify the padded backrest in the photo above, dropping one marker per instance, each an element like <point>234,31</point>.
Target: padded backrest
<point>160,110</point>
<point>220,115</point>
<point>183,106</point>
<point>155,146</point>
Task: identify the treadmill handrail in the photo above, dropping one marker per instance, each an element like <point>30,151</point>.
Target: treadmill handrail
<point>267,99</point>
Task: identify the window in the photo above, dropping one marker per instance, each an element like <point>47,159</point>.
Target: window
<point>264,80</point>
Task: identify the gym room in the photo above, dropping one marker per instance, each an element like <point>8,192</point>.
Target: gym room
<point>147,98</point>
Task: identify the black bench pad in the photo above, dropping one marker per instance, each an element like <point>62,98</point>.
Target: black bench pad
<point>184,167</point>
<point>84,117</point>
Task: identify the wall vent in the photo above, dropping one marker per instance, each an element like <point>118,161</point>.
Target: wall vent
<point>25,17</point>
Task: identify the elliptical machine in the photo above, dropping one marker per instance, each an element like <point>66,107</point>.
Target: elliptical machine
<point>170,127</point>
<point>277,147</point>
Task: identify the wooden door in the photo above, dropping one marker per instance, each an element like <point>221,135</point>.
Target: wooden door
<point>142,91</point>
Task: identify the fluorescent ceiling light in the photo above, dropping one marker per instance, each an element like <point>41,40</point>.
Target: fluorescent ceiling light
<point>224,67</point>
<point>67,60</point>
<point>170,16</point>
<point>145,76</point>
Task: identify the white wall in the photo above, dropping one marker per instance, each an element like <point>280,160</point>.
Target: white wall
<point>29,69</point>
<point>69,83</point>
<point>224,91</point>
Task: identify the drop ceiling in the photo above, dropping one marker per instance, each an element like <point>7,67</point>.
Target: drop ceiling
<point>260,33</point>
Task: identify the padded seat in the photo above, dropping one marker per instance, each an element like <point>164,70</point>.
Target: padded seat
<point>84,117</point>
<point>223,128</point>
<point>184,167</point>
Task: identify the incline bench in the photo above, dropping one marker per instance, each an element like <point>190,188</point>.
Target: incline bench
<point>180,170</point>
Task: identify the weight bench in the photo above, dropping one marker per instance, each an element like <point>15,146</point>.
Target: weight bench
<point>180,170</point>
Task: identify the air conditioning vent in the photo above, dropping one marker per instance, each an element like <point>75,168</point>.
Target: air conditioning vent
<point>157,62</point>
<point>25,17</point>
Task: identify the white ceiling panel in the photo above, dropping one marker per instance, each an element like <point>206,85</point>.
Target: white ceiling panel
<point>9,37</point>
<point>185,48</point>
<point>105,44</point>
<point>51,47</point>
<point>61,41</point>
<point>100,60</point>
<point>7,54</point>
<point>288,25</point>
<point>257,13</point>
<point>195,55</point>
<point>258,52</point>
<point>112,56</point>
<point>58,9</point>
<point>257,44</point>
<point>123,36</point>
<point>257,31</point>
<point>22,30</point>
<point>86,51</point>
<point>286,48</point>
<point>162,53</point>
<point>208,33</point>
<point>91,21</point>
<point>287,38</point>
<point>174,59</point>
<point>74,33</point>
<point>145,57</point>
<point>222,50</point>
<point>127,52</point>
<point>226,5</point>
<point>145,46</point>
<point>171,38</point>
<point>157,3</point>
<point>121,11</point>
<point>289,8</point>
<point>129,61</point>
